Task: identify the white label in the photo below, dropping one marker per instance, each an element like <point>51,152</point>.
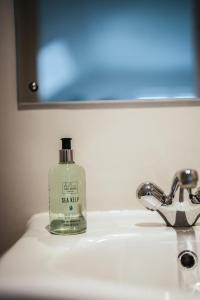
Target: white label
<point>70,198</point>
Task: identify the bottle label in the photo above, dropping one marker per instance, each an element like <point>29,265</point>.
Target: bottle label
<point>70,187</point>
<point>70,198</point>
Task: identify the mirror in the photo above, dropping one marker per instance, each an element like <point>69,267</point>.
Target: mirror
<point>80,51</point>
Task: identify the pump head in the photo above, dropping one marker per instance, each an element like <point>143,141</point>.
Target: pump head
<point>66,143</point>
<point>66,153</point>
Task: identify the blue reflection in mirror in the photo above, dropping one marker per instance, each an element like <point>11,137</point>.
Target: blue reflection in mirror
<point>115,50</point>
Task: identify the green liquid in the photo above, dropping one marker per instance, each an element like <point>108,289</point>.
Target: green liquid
<point>67,199</point>
<point>64,227</point>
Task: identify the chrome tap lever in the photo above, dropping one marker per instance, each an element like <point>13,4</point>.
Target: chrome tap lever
<point>150,195</point>
<point>185,179</point>
<point>195,198</point>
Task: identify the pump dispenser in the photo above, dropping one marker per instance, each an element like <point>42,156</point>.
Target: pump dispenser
<point>66,153</point>
<point>67,189</point>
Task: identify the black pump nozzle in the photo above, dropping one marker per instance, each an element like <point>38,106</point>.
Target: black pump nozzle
<point>66,143</point>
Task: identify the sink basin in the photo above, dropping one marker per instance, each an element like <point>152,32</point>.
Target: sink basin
<point>123,255</point>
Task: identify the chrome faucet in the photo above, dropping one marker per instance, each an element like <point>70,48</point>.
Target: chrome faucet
<point>177,209</point>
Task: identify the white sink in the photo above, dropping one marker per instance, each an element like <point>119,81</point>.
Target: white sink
<point>123,255</point>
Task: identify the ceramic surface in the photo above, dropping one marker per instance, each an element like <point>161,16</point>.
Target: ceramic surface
<point>123,255</point>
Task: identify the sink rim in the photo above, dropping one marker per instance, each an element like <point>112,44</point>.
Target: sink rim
<point>87,290</point>
<point>36,229</point>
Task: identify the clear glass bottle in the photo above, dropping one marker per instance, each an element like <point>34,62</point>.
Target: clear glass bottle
<point>67,194</point>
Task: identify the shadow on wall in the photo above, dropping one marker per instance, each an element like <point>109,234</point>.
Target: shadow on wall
<point>12,220</point>
<point>11,231</point>
<point>16,204</point>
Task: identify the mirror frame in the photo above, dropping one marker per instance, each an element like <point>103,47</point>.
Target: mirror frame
<point>33,102</point>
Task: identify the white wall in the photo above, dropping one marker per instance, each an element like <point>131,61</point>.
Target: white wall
<point>119,147</point>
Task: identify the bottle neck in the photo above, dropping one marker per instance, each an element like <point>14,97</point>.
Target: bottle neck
<point>66,156</point>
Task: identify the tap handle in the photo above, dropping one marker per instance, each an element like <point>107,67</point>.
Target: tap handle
<point>195,198</point>
<point>188,178</point>
<point>185,179</point>
<point>151,196</point>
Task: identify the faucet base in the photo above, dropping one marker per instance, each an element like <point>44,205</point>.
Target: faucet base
<point>180,219</point>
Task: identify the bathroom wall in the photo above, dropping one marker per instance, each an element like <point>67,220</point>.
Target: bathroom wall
<point>119,147</point>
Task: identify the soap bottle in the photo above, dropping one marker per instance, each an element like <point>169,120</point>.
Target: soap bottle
<point>67,194</point>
